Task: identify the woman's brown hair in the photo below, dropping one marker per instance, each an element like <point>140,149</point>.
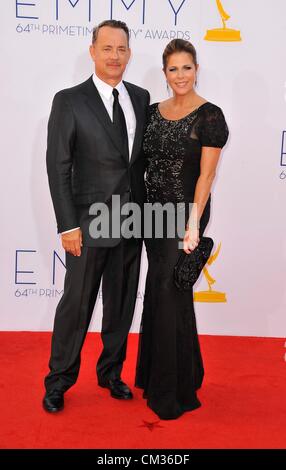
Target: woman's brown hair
<point>179,45</point>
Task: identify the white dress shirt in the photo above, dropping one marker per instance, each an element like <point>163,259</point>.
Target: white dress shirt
<point>105,91</point>
<point>106,95</point>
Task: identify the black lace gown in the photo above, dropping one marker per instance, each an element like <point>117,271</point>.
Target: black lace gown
<point>169,363</point>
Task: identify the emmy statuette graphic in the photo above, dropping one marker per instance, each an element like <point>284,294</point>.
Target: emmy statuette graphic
<point>224,33</point>
<point>210,295</point>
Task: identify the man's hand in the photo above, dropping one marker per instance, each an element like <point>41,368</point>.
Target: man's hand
<point>72,242</point>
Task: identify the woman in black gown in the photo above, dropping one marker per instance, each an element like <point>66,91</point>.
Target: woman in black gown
<point>182,145</point>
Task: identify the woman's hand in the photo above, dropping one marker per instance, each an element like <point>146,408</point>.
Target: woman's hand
<point>191,240</point>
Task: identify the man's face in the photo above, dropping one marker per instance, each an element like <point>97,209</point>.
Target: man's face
<point>111,54</point>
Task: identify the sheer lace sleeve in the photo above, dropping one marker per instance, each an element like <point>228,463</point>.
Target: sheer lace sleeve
<point>213,130</point>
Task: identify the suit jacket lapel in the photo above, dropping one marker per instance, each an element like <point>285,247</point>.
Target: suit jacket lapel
<point>138,110</point>
<point>96,104</point>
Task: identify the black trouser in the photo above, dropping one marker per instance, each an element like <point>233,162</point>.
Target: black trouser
<point>119,268</point>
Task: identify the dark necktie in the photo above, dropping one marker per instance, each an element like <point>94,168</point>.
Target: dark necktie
<point>120,123</point>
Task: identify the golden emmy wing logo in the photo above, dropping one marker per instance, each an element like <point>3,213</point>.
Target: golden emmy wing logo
<point>224,33</point>
<point>210,295</point>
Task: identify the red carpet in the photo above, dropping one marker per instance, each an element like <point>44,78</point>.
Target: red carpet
<point>243,400</point>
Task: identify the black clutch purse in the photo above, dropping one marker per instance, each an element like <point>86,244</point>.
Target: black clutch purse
<point>189,266</point>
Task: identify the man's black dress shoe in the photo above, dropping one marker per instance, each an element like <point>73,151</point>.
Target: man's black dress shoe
<point>53,401</point>
<point>118,389</point>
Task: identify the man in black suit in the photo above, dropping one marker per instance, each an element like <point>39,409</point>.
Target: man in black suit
<point>95,135</point>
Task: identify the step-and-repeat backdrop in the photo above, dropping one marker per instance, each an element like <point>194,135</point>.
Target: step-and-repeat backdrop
<point>241,51</point>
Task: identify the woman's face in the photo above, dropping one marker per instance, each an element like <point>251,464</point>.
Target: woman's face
<point>181,72</point>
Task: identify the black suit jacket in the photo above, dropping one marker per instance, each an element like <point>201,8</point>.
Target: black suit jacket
<point>85,162</point>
